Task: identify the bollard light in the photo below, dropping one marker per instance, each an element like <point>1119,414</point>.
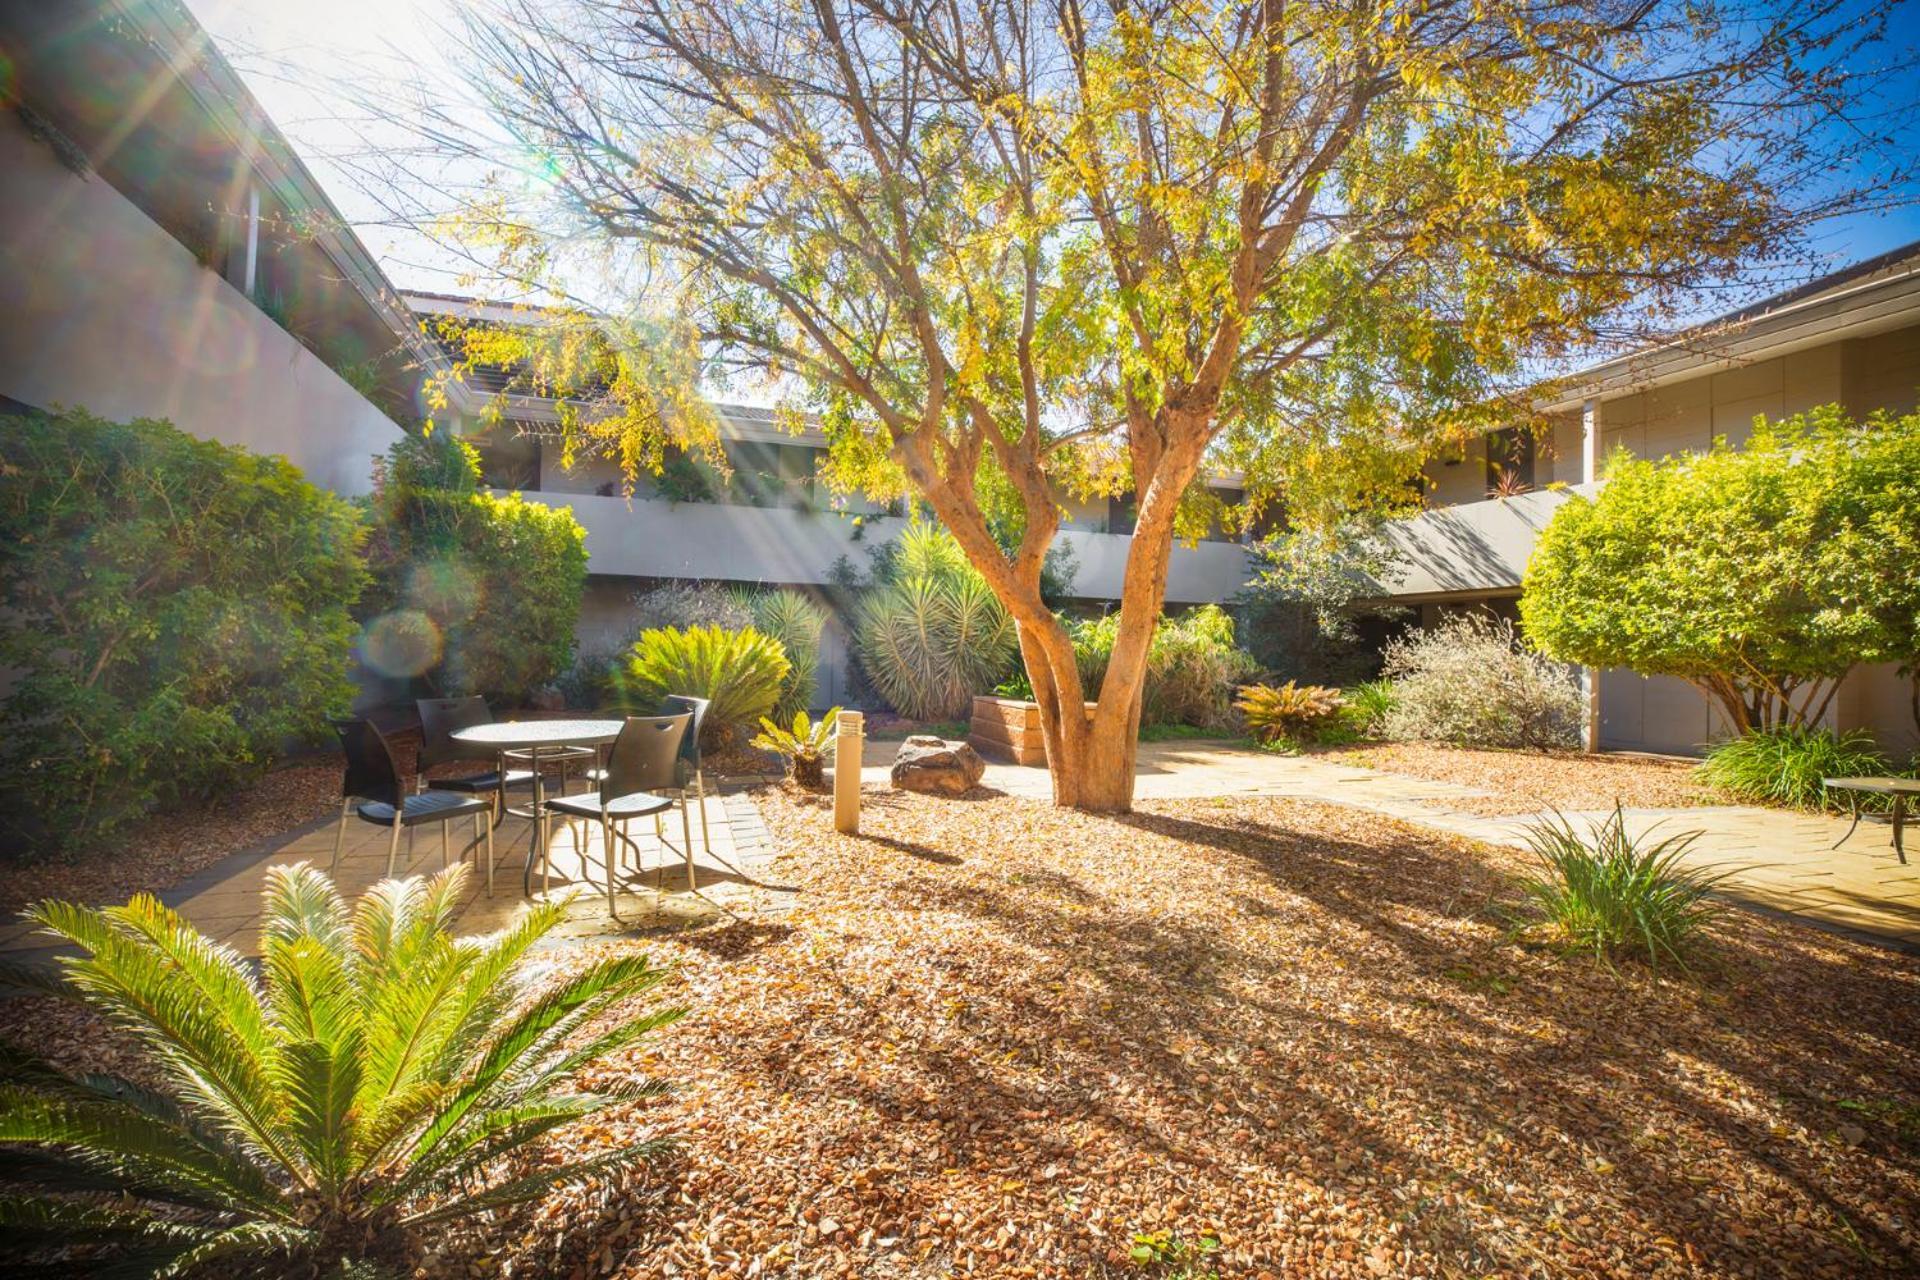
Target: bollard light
<point>846,772</point>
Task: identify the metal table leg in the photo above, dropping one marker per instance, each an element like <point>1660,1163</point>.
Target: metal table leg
<point>1854,797</point>
<point>1899,825</point>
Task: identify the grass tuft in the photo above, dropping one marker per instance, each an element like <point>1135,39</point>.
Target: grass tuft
<point>1785,766</point>
<point>1615,895</point>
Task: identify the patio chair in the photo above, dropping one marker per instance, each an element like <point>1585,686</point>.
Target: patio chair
<point>373,779</point>
<point>690,754</point>
<point>440,719</point>
<point>643,764</point>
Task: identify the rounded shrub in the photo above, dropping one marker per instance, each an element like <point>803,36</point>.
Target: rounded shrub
<point>1470,681</point>
<point>178,613</point>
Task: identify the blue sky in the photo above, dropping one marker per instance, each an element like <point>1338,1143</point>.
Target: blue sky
<point>291,53</point>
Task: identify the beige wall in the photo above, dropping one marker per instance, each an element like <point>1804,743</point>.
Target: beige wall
<point>1688,415</point>
<point>105,311</point>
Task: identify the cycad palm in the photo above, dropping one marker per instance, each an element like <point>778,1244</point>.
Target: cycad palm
<point>367,1084</point>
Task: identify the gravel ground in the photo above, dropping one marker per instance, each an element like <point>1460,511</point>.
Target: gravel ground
<point>1528,781</point>
<point>1002,1040</point>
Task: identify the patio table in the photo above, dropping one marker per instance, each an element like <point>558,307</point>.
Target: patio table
<point>1898,788</point>
<point>534,737</point>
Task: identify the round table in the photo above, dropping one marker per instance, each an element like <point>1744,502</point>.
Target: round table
<point>533,737</point>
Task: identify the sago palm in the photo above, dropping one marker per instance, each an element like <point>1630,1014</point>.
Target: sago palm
<point>804,745</point>
<point>377,1078</point>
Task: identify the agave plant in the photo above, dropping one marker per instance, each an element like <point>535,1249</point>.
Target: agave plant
<point>1276,711</point>
<point>803,746</point>
<point>375,1080</point>
<point>935,636</point>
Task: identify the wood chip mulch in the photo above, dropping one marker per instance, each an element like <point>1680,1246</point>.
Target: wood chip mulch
<point>1529,781</point>
<point>999,1039</point>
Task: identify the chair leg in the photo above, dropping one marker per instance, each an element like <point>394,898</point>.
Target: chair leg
<point>700,789</point>
<point>446,852</point>
<point>393,846</point>
<point>339,835</point>
<point>488,826</point>
<point>686,836</point>
<point>606,834</point>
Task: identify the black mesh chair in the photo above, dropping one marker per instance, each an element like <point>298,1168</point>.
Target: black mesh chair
<point>644,762</point>
<point>440,719</point>
<point>690,754</point>
<point>373,779</point>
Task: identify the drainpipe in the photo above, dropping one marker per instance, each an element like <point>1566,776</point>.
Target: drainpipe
<point>253,241</point>
<point>1589,473</point>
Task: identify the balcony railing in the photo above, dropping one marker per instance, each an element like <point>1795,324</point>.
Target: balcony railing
<point>658,539</point>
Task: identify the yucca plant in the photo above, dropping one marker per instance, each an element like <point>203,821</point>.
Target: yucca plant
<point>739,672</point>
<point>377,1079</point>
<point>1786,766</point>
<point>935,636</point>
<point>1287,710</point>
<point>796,622</point>
<point>803,746</point>
<point>1616,895</point>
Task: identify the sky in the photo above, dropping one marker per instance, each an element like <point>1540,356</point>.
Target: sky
<point>292,54</point>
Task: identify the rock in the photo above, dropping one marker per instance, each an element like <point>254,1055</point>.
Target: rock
<point>937,767</point>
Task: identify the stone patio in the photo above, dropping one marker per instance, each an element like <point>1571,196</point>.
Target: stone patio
<point>224,900</point>
<point>1781,860</point>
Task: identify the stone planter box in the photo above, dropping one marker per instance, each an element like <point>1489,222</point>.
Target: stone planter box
<point>1009,729</point>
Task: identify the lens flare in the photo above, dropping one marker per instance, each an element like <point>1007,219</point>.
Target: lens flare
<point>404,642</point>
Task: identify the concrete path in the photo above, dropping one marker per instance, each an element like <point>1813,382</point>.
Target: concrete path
<point>733,879</point>
<point>1780,860</point>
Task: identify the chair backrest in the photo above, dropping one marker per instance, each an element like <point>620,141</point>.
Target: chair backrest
<point>644,756</point>
<point>440,719</point>
<point>371,772</point>
<point>676,703</point>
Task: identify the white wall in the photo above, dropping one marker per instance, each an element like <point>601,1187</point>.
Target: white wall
<point>105,311</point>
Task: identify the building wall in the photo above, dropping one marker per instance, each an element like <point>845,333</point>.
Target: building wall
<point>105,311</point>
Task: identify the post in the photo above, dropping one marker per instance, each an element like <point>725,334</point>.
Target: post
<point>1590,474</point>
<point>846,772</point>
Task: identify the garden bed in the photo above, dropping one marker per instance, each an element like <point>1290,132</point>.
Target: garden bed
<point>1528,781</point>
<point>999,1039</point>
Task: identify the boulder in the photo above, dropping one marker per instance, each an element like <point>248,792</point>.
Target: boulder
<point>937,767</point>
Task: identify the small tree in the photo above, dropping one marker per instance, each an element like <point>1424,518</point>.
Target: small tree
<point>478,593</point>
<point>1760,574</point>
<point>177,612</point>
<point>1092,249</point>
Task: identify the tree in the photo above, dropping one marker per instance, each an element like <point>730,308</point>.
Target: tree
<point>477,592</point>
<point>1760,574</point>
<point>1082,250</point>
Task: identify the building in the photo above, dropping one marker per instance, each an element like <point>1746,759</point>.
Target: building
<point>167,255</point>
<point>1851,338</point>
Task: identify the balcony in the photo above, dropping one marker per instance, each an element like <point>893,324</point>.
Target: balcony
<point>657,539</point>
<point>1473,547</point>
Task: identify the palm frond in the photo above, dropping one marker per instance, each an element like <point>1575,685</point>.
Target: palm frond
<point>320,1081</point>
<point>534,1185</point>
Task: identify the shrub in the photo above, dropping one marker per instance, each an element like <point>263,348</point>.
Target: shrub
<point>1785,766</point>
<point>1761,574</point>
<point>738,672</point>
<point>1469,681</point>
<point>1617,896</point>
<point>363,1090</point>
<point>475,593</point>
<point>796,622</point>
<point>692,604</point>
<point>1368,704</point>
<point>589,683</point>
<point>933,634</point>
<point>177,613</point>
<point>803,746</point>
<point>1286,711</point>
<point>1192,666</point>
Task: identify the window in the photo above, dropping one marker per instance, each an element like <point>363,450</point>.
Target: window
<point>1509,462</point>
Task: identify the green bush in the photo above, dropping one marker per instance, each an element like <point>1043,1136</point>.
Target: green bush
<point>1192,666</point>
<point>177,613</point>
<point>1368,704</point>
<point>375,1082</point>
<point>473,592</point>
<point>740,673</point>
<point>933,634</point>
<point>1617,896</point>
<point>1784,766</point>
<point>796,622</point>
